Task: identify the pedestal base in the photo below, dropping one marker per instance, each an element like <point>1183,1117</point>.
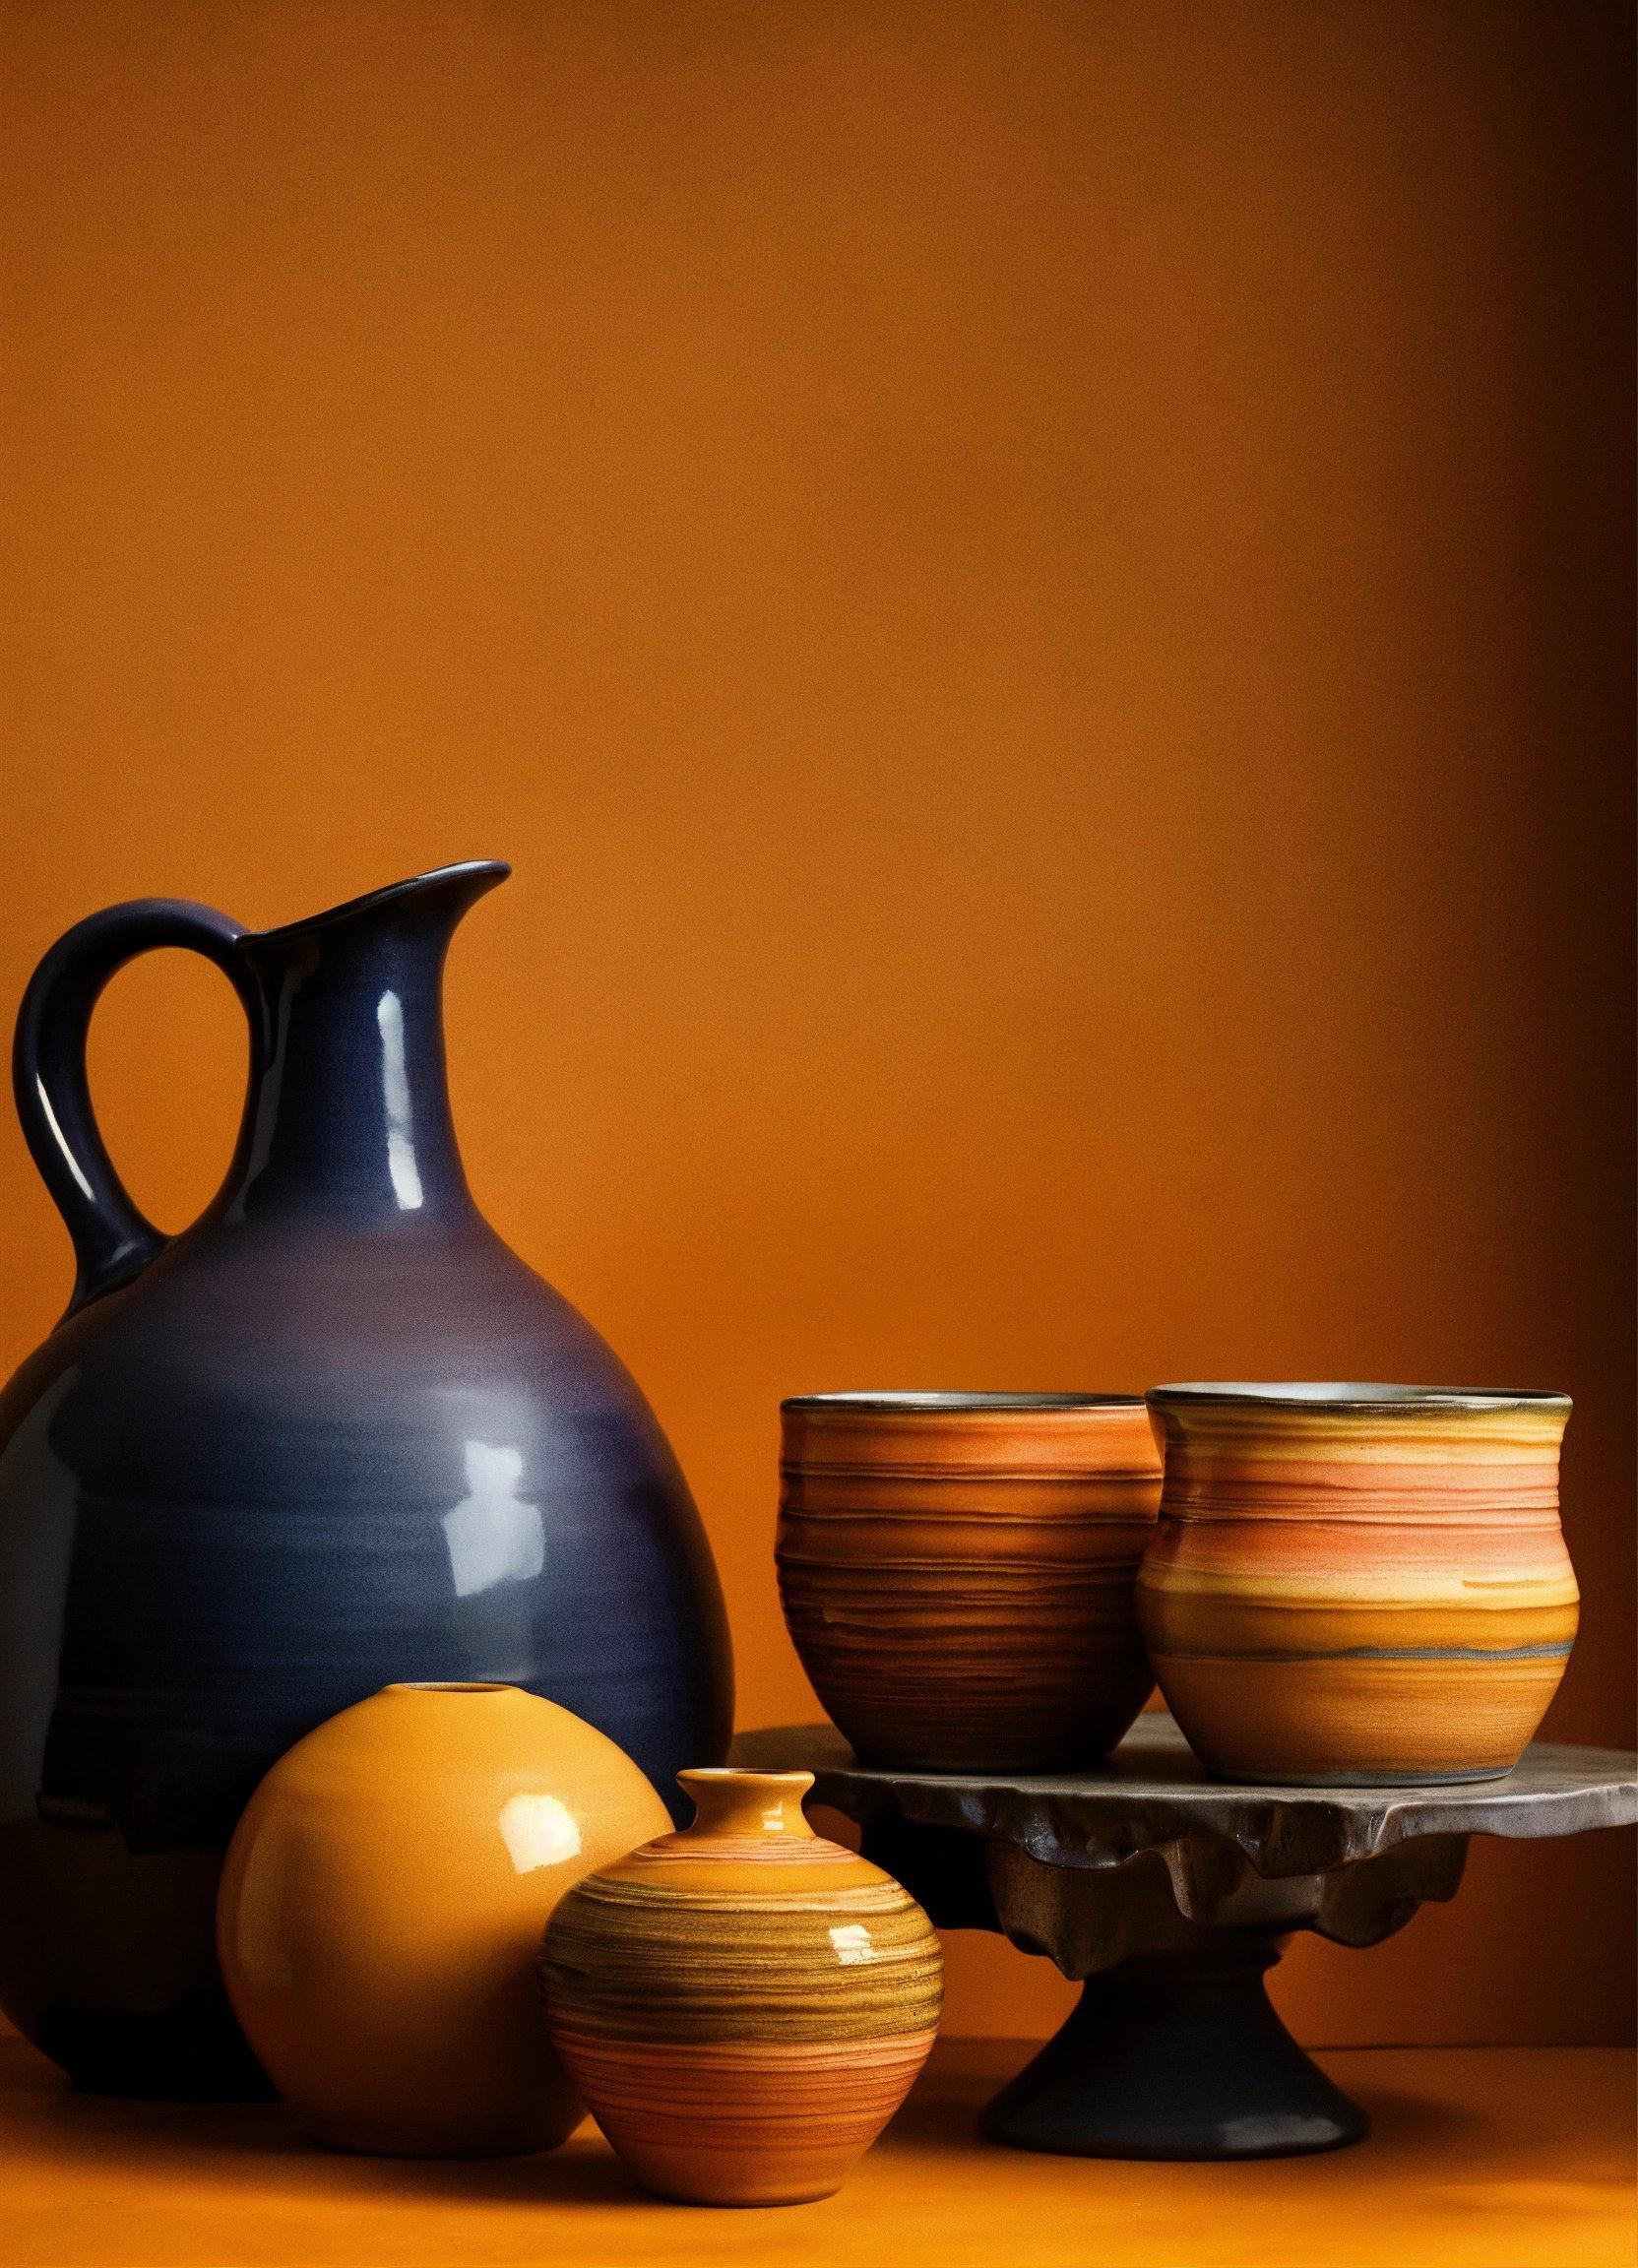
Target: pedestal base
<point>1175,2055</point>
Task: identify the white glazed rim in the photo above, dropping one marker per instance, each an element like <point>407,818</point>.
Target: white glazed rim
<point>1366,1400</point>
<point>919,1403</point>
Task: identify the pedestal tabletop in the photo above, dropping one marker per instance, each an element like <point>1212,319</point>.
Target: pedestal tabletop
<point>1154,1789</point>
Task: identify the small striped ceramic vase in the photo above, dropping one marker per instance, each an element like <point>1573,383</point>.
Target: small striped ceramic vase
<point>957,1571</point>
<point>1358,1584</point>
<point>743,2005</point>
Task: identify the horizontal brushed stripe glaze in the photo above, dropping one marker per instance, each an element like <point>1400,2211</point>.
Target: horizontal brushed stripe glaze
<point>911,1598</point>
<point>1370,1776</point>
<point>1560,1652</point>
<point>1335,1564</point>
<point>1031,1653</point>
<point>1007,1645</point>
<point>1347,1498</point>
<point>1223,1622</point>
<point>939,1568</point>
<point>1354,1720</point>
<point>1207,1553</point>
<point>742,2124</point>
<point>824,1488</point>
<point>1032,1680</point>
<point>639,1962</point>
<point>991,1671</point>
<point>833,1491</point>
<point>740,1849</point>
<point>1014,1612</point>
<point>1043,1733</point>
<point>917,1594</point>
<point>1093,1436</point>
<point>992,1681</point>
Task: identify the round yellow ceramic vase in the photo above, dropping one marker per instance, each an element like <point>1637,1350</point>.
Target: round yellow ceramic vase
<point>1358,1584</point>
<point>957,1571</point>
<point>743,2005</point>
<point>382,1904</point>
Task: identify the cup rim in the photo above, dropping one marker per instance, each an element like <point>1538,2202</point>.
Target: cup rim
<point>1352,1395</point>
<point>921,1402</point>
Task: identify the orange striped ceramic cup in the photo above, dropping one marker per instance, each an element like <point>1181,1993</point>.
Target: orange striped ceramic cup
<point>1359,1583</point>
<point>957,1571</point>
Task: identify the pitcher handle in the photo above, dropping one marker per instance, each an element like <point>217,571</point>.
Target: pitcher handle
<point>113,1240</point>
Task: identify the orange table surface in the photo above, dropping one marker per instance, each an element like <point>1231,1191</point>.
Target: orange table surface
<point>1501,2158</point>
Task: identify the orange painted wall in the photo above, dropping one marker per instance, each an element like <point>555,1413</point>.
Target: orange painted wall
<point>1040,596</point>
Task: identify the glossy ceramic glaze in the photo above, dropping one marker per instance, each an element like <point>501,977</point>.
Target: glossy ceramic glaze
<point>1359,1583</point>
<point>957,1571</point>
<point>381,1910</point>
<point>744,2005</point>
<point>335,1434</point>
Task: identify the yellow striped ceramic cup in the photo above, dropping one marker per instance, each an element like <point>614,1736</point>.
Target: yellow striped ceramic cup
<point>1358,1584</point>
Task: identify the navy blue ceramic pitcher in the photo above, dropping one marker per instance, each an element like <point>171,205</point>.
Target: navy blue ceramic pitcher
<point>334,1435</point>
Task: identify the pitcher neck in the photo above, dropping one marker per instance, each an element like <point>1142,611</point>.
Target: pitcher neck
<point>348,1111</point>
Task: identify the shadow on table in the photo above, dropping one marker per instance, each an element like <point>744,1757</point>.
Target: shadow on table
<point>1408,2123</point>
<point>941,2119</point>
<point>232,2140</point>
<point>264,2143</point>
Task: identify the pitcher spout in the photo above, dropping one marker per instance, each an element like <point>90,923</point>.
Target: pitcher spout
<point>445,892</point>
<point>348,1110</point>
